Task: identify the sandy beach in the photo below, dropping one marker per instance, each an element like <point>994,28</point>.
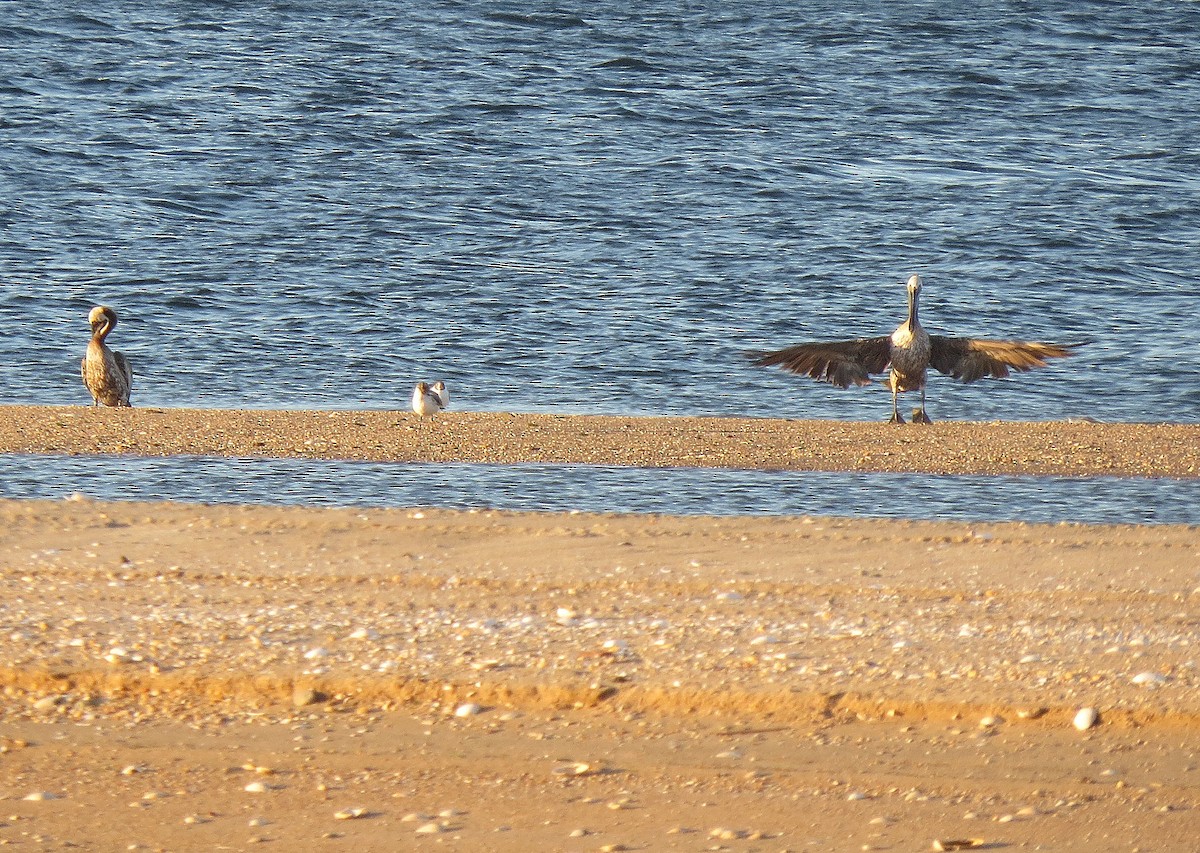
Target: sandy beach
<point>184,677</point>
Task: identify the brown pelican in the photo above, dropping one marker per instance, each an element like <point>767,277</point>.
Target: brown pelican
<point>425,401</point>
<point>910,350</point>
<point>106,373</point>
<point>443,395</point>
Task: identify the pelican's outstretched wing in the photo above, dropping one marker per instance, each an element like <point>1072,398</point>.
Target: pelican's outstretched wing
<point>969,359</point>
<point>841,363</point>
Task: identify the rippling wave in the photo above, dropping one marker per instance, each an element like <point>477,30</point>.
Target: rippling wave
<point>596,488</point>
<point>598,210</point>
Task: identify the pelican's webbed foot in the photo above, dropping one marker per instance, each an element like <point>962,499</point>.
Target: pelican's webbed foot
<point>919,416</point>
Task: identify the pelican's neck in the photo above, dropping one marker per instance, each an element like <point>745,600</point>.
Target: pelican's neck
<point>100,330</point>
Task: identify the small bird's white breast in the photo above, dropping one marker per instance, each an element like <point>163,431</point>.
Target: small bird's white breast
<point>425,401</point>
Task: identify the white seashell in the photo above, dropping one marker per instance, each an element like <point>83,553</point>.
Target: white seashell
<point>725,834</point>
<point>579,768</point>
<point>1086,718</point>
<point>257,788</point>
<point>364,634</point>
<point>990,721</point>
<point>40,796</point>
<point>1149,678</point>
<point>467,709</point>
<point>314,654</point>
<point>856,795</point>
<point>729,596</point>
<point>349,814</point>
<point>429,829</point>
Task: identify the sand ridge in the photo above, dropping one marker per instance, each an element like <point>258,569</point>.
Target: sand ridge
<point>1034,448</point>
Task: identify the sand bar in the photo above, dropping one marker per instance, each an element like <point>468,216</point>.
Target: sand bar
<point>1036,448</point>
<point>189,677</point>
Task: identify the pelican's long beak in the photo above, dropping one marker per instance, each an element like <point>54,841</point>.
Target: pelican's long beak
<point>914,291</point>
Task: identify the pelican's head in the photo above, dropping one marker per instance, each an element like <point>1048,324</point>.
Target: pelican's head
<point>101,316</point>
<point>914,285</point>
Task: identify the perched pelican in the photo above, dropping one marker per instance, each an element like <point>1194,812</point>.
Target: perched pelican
<point>425,401</point>
<point>439,388</point>
<point>106,373</point>
<point>910,350</point>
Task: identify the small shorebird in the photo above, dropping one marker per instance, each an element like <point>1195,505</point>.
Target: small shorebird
<point>106,373</point>
<point>443,395</point>
<point>425,400</point>
<point>910,351</point>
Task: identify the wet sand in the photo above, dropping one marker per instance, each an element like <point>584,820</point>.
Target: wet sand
<point>193,677</point>
<point>1055,448</point>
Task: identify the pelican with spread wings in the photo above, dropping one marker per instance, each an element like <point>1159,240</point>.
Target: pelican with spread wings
<point>911,351</point>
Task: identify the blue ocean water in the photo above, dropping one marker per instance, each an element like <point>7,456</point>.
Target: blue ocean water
<point>594,488</point>
<point>598,207</point>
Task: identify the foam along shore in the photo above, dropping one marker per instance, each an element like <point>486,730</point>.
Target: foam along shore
<point>1032,448</point>
<point>185,676</point>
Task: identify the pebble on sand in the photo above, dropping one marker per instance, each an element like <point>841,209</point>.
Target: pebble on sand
<point>304,696</point>
<point>1086,718</point>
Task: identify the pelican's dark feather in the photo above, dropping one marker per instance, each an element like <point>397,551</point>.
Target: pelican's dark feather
<point>969,359</point>
<point>841,363</point>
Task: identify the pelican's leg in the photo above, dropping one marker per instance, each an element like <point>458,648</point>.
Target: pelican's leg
<point>919,416</point>
<point>896,417</point>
